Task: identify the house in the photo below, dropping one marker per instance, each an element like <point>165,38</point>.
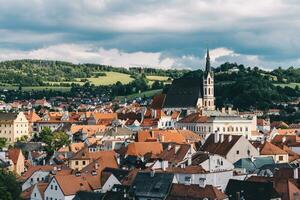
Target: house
<point>211,162</point>
<point>268,149</point>
<point>221,123</point>
<point>263,125</point>
<point>232,147</point>
<point>111,177</point>
<point>168,119</point>
<point>41,173</point>
<point>175,136</point>
<point>151,185</point>
<point>13,126</point>
<point>285,182</point>
<point>251,190</point>
<point>102,118</point>
<point>251,165</point>
<point>195,174</point>
<point>66,187</point>
<point>177,155</point>
<point>140,149</point>
<point>38,191</point>
<point>195,192</point>
<point>17,160</point>
<point>279,124</point>
<point>86,156</point>
<point>32,118</point>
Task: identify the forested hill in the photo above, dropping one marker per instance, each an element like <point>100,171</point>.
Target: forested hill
<point>247,88</point>
<point>45,73</point>
<point>243,87</point>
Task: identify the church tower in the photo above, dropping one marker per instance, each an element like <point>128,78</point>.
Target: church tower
<point>208,86</point>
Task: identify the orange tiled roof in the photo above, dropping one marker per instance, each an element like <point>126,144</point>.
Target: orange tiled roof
<point>89,129</point>
<point>142,148</point>
<point>32,116</point>
<point>270,149</point>
<point>162,135</point>
<point>13,154</point>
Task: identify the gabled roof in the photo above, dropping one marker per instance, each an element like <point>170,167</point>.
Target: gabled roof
<point>269,149</point>
<point>142,148</point>
<point>251,190</point>
<point>194,118</point>
<point>193,192</point>
<point>220,148</point>
<point>184,92</point>
<point>13,154</point>
<point>149,184</point>
<point>8,117</point>
<point>87,155</point>
<point>253,164</point>
<point>71,184</point>
<point>158,101</point>
<point>120,174</point>
<point>175,153</point>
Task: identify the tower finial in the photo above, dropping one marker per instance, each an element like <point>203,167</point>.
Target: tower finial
<point>207,67</point>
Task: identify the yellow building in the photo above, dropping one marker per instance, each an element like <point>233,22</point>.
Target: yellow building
<point>13,126</point>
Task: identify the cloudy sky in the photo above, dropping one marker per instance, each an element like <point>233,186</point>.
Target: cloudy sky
<point>156,33</point>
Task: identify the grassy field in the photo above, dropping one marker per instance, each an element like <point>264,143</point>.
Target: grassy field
<point>149,93</point>
<point>109,79</point>
<point>292,85</point>
<point>157,78</point>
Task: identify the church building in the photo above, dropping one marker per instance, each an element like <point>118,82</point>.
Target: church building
<point>190,95</point>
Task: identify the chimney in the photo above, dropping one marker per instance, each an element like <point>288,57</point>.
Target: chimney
<point>162,138</point>
<point>164,165</point>
<point>283,139</point>
<point>177,147</point>
<point>229,110</point>
<point>96,165</point>
<point>152,133</point>
<point>229,138</point>
<point>221,138</point>
<point>216,137</point>
<point>189,160</point>
<point>223,110</point>
<point>296,175</point>
<point>152,173</point>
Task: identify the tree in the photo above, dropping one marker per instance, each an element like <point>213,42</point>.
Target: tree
<point>3,143</point>
<point>10,189</point>
<point>55,140</point>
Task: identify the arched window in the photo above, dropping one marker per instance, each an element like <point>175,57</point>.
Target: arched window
<point>208,103</point>
<point>208,80</point>
<point>205,91</point>
<point>209,91</point>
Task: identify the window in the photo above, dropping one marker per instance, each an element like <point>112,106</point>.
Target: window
<point>51,187</point>
<point>76,162</point>
<point>83,162</point>
<point>237,152</point>
<point>37,179</point>
<point>280,158</point>
<point>246,128</point>
<point>248,152</point>
<point>208,80</point>
<point>205,91</point>
<point>241,129</point>
<point>224,129</point>
<point>56,187</point>
<point>208,90</point>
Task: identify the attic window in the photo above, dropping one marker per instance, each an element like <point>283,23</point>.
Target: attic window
<point>237,152</point>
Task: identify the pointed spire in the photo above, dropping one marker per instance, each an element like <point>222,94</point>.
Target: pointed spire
<point>207,67</point>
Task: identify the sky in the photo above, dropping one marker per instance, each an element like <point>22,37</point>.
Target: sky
<point>152,33</point>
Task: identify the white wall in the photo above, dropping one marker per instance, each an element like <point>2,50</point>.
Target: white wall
<point>55,194</point>
<point>217,179</point>
<point>41,175</point>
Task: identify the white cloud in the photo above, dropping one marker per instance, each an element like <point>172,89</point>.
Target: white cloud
<point>90,54</point>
